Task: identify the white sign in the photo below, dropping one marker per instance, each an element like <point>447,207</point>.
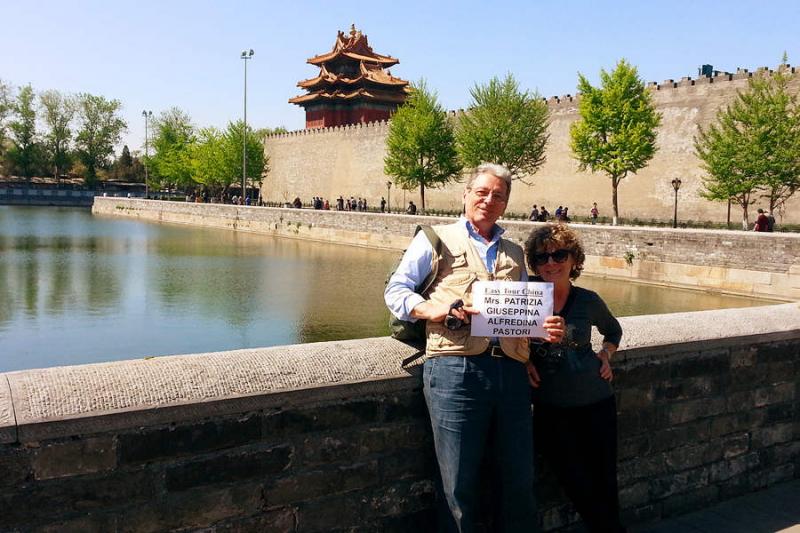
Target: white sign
<point>511,308</point>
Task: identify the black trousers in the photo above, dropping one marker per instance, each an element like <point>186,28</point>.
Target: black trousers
<point>580,444</point>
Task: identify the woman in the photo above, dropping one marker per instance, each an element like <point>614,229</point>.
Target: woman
<point>575,414</point>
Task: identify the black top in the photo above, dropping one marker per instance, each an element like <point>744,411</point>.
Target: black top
<point>576,379</point>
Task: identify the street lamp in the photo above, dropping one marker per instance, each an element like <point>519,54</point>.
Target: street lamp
<point>147,116</point>
<point>676,184</point>
<point>389,195</point>
<point>245,55</point>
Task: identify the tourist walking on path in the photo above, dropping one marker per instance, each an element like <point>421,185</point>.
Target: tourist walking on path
<point>594,213</point>
<point>575,412</point>
<point>383,204</point>
<point>476,388</point>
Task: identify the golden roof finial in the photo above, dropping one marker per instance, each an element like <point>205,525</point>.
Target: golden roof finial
<point>352,30</point>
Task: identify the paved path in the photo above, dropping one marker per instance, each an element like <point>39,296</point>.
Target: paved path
<point>767,511</point>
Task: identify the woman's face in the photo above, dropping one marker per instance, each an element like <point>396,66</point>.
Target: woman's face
<point>553,270</point>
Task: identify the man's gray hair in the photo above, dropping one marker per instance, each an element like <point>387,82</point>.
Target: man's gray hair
<point>498,171</point>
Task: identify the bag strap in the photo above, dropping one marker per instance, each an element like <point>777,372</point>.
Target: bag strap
<point>437,245</point>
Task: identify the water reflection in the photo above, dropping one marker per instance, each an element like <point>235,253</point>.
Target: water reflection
<point>77,289</point>
<point>630,299</point>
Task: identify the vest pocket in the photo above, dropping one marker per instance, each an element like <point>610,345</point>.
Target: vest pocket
<point>439,336</point>
<point>457,259</point>
<point>460,281</point>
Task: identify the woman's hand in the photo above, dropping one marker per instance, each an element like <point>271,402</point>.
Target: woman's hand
<point>555,328</point>
<point>605,365</point>
<point>533,375</point>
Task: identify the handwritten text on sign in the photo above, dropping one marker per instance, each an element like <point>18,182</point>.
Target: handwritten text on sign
<point>511,308</point>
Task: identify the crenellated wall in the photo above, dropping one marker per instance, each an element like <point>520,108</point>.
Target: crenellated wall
<point>349,161</point>
<point>334,436</point>
<point>735,262</point>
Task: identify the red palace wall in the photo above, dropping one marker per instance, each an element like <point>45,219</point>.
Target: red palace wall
<point>324,118</point>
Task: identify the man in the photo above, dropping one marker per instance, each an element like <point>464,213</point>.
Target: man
<point>383,204</point>
<point>476,388</point>
<point>544,215</point>
<point>762,222</point>
<point>411,209</point>
<point>534,216</point>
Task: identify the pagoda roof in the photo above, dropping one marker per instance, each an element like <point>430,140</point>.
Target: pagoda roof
<point>353,46</point>
<point>373,74</point>
<point>360,93</point>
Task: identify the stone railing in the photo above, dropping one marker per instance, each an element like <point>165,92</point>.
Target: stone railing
<point>335,435</point>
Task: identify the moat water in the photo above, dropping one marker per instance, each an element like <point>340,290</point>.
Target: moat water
<point>77,288</point>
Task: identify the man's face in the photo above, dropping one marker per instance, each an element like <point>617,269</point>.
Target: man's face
<point>486,200</point>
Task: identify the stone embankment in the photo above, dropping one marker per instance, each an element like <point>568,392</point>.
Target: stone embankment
<point>335,436</point>
<point>766,265</point>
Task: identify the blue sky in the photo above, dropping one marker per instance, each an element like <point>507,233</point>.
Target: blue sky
<point>154,55</point>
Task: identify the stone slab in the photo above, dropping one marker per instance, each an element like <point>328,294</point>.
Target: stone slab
<point>8,423</point>
<point>64,400</point>
<point>717,328</point>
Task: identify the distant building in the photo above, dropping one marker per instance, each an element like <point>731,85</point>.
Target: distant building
<point>352,86</point>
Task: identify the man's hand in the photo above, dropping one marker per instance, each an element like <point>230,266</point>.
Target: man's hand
<point>555,328</point>
<point>433,312</point>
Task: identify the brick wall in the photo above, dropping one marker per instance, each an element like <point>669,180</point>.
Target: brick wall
<point>334,436</point>
<point>349,161</point>
<point>735,262</point>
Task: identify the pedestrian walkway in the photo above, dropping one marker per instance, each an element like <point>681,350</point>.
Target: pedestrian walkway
<point>771,510</point>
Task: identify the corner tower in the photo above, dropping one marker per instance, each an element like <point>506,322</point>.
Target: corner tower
<point>352,86</point>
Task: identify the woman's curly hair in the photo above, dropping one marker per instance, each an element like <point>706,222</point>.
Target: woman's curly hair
<point>555,237</point>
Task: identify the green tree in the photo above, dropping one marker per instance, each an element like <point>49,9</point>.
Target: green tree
<point>263,132</point>
<point>123,166</point>
<point>100,130</point>
<point>420,147</point>
<point>504,125</point>
<point>173,136</point>
<point>25,153</point>
<point>209,161</point>
<point>616,131</point>
<point>58,112</point>
<point>137,169</point>
<point>257,162</point>
<point>753,146</point>
<point>6,108</point>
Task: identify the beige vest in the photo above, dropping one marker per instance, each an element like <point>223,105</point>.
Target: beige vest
<point>460,266</point>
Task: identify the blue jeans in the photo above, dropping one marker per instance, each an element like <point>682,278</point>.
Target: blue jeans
<point>474,400</point>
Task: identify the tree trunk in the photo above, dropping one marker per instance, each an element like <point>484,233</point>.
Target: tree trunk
<point>745,218</point>
<point>422,195</point>
<point>614,185</point>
